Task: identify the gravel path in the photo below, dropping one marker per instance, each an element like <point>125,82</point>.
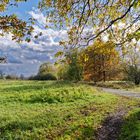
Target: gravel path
<point>122,92</point>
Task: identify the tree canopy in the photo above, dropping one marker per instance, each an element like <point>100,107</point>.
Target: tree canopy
<point>84,19</point>
<point>12,24</point>
<point>89,19</point>
<point>98,61</point>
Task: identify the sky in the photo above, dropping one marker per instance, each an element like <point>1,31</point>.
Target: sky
<point>25,58</point>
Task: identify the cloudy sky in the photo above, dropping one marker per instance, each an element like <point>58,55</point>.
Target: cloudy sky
<point>25,58</point>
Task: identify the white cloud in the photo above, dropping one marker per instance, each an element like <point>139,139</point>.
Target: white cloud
<point>105,37</point>
<point>121,25</point>
<point>134,40</point>
<point>26,57</point>
<point>138,43</point>
<point>37,15</point>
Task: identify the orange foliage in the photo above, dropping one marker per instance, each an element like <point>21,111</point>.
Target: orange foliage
<point>100,61</point>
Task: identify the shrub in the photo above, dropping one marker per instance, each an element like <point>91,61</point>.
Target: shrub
<point>12,77</point>
<point>47,76</point>
<point>46,68</point>
<point>133,74</point>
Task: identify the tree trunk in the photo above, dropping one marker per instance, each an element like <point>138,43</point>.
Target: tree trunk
<point>104,76</point>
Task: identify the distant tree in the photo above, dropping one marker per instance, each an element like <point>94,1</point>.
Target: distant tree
<point>46,68</point>
<point>1,74</point>
<point>45,77</point>
<point>100,61</point>
<point>70,69</point>
<point>22,77</point>
<point>12,77</point>
<point>3,60</point>
<point>74,69</point>
<point>133,74</point>
<point>62,71</point>
<point>46,72</point>
<point>132,62</point>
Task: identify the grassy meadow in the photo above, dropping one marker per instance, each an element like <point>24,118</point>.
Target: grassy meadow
<point>33,110</point>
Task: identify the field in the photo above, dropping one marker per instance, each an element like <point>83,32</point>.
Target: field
<point>33,110</point>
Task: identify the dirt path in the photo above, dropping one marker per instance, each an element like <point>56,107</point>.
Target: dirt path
<point>111,126</point>
<point>122,92</point>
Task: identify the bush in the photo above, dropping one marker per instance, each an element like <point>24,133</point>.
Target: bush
<point>133,74</point>
<point>46,68</point>
<point>47,76</point>
<point>12,77</point>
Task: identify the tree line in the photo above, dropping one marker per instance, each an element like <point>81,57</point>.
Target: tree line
<point>101,61</point>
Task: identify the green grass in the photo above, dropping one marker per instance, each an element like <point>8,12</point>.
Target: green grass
<point>33,110</point>
<point>131,128</point>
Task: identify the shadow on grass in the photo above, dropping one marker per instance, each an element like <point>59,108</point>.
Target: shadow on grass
<point>131,127</point>
<point>19,128</point>
<point>37,85</point>
<point>8,131</point>
<point>87,133</point>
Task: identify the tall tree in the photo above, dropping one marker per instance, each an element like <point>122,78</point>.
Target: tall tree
<point>132,62</point>
<point>69,67</point>
<point>100,61</point>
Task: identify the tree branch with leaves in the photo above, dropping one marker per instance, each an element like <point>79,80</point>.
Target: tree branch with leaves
<point>96,16</point>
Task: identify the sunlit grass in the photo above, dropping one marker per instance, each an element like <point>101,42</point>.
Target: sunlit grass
<point>53,110</point>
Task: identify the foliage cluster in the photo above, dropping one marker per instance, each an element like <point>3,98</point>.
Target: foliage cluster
<point>98,16</point>
<point>100,61</point>
<point>12,77</point>
<point>70,69</point>
<point>77,16</point>
<point>133,74</point>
